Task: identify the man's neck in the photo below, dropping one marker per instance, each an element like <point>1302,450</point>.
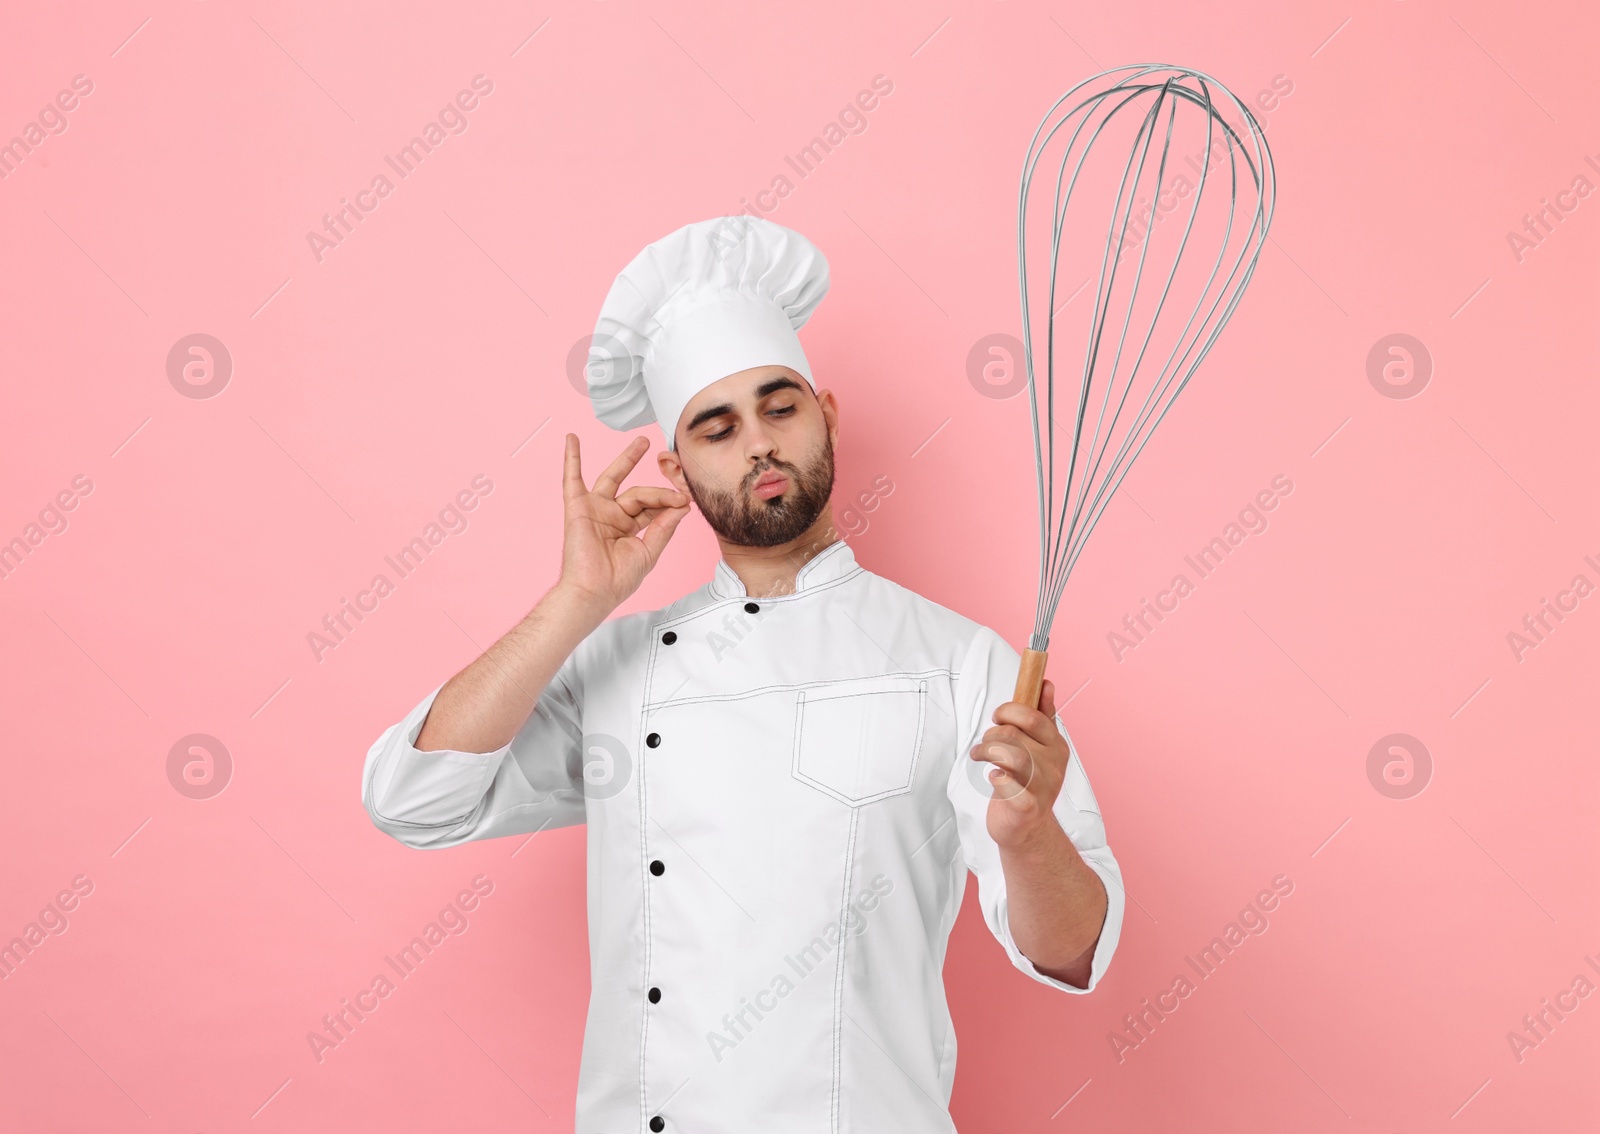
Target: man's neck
<point>771,571</point>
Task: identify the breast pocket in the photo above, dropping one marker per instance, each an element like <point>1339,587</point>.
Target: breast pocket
<point>858,740</point>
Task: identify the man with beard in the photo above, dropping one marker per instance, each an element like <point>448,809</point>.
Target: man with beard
<point>780,821</point>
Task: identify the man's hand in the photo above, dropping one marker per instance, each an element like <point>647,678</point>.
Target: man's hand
<point>1055,903</point>
<point>604,557</point>
<point>603,561</point>
<point>1029,755</point>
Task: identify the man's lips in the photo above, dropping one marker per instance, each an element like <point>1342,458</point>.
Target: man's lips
<point>771,484</point>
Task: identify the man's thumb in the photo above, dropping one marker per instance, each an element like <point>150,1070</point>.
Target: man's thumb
<point>660,530</point>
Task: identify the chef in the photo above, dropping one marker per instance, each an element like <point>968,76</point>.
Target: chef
<point>786,774</point>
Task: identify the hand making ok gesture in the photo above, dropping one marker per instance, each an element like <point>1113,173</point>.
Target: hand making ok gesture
<point>604,556</point>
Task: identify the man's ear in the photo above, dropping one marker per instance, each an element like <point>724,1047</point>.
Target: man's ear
<point>672,469</point>
<point>830,414</point>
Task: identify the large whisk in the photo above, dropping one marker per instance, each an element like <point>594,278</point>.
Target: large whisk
<point>1164,180</point>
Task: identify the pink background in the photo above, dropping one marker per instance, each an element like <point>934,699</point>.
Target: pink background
<point>369,389</point>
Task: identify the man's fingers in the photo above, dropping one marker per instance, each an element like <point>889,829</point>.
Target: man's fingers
<point>660,530</point>
<point>1015,762</point>
<point>606,484</point>
<point>1004,754</point>
<point>648,496</point>
<point>572,471</point>
<point>1047,698</point>
<point>1039,726</point>
<point>644,519</point>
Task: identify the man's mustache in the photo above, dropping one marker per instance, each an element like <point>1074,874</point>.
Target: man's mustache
<point>787,470</point>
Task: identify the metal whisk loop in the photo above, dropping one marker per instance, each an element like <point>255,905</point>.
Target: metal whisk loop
<point>1118,117</point>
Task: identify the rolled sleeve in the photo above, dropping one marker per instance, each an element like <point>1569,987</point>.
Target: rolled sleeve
<point>429,800</point>
<point>988,680</point>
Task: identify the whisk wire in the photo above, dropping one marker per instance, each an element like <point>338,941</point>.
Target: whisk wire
<point>1057,532</point>
<point>1094,469</point>
<point>1146,132</point>
<point>1157,389</point>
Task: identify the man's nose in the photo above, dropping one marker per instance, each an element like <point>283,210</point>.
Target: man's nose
<point>759,445</point>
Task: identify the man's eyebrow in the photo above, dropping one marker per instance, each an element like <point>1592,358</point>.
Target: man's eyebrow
<point>770,386</point>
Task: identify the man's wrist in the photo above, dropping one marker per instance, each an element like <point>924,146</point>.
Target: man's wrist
<point>572,603</point>
<point>1041,842</point>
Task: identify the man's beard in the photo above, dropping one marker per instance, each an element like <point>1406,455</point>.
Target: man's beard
<point>742,518</point>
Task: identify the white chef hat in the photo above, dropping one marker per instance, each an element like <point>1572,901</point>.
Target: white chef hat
<point>713,298</point>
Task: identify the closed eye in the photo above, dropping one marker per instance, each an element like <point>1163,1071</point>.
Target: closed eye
<point>721,434</point>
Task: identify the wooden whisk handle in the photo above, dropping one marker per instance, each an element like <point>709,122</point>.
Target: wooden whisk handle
<point>1030,678</point>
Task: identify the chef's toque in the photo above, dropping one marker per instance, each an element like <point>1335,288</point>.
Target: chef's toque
<point>713,298</point>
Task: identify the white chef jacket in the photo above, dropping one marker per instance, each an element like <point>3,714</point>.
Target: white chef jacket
<point>781,815</point>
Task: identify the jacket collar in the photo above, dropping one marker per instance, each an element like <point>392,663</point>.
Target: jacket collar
<point>833,562</point>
